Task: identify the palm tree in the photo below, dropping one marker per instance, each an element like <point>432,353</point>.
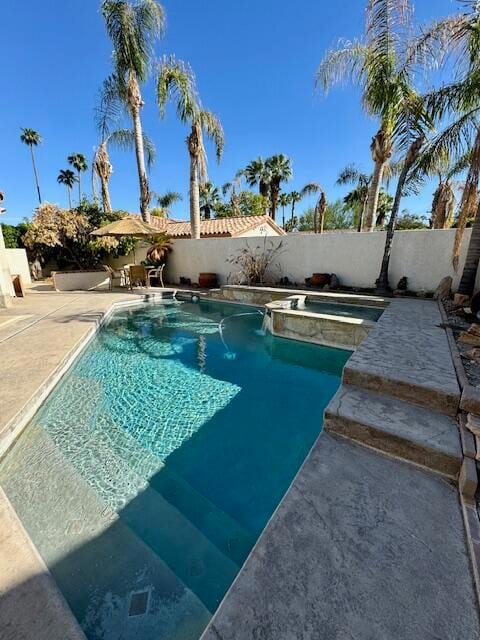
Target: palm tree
<point>283,201</point>
<point>32,139</point>
<point>107,115</point>
<point>359,196</point>
<point>410,159</point>
<point>293,198</point>
<point>320,206</point>
<point>460,101</point>
<point>209,199</point>
<point>257,172</point>
<point>133,30</point>
<point>231,187</point>
<point>382,64</point>
<point>68,178</point>
<point>175,81</point>
<point>279,169</point>
<point>166,200</point>
<point>79,162</point>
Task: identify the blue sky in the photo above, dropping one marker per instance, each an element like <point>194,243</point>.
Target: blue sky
<point>254,61</point>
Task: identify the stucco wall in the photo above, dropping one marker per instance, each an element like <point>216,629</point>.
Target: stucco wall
<point>423,256</point>
<point>18,263</point>
<point>6,288</point>
<point>81,280</point>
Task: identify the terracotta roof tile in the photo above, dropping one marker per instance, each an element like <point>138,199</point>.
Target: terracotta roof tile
<point>217,228</point>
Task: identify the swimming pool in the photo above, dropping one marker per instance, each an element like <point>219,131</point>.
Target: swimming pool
<point>150,471</point>
<point>345,310</point>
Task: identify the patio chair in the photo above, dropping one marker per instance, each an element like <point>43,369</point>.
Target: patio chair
<point>138,276</point>
<point>118,277</point>
<point>156,273</point>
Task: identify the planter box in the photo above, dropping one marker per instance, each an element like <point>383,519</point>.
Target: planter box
<point>93,280</point>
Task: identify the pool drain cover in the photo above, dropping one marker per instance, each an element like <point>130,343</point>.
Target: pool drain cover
<point>138,603</point>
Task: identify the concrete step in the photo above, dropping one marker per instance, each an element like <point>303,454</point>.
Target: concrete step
<point>428,438</point>
<point>408,356</point>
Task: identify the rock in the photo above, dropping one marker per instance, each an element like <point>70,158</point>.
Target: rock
<point>334,281</point>
<point>473,354</point>
<point>471,336</point>
<point>399,292</point>
<point>444,289</point>
<point>460,299</point>
<point>402,284</point>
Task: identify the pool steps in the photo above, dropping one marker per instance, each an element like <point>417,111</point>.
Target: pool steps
<point>152,511</point>
<point>404,430</point>
<point>75,528</point>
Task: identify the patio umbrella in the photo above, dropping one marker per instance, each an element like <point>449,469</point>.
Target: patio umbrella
<point>132,227</point>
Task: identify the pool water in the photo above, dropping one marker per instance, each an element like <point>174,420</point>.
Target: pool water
<point>345,310</point>
<point>150,471</point>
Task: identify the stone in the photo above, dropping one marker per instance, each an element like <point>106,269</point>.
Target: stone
<point>444,289</point>
<point>473,424</point>
<point>461,299</point>
<point>467,337</point>
<point>402,284</point>
<point>468,479</point>
<point>334,281</point>
<point>473,354</point>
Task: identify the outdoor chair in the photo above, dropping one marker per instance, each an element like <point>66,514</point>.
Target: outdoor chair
<point>118,277</point>
<point>156,273</point>
<point>138,276</point>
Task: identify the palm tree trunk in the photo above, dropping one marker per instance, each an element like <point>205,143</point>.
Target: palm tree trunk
<point>194,199</point>
<point>382,283</point>
<point>283,218</point>
<point>362,214</point>
<point>35,174</point>
<point>79,187</point>
<point>136,103</point>
<point>107,205</point>
<point>469,274</point>
<point>373,193</point>
<point>69,198</point>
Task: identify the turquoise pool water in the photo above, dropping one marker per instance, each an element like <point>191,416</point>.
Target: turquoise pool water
<point>149,473</point>
<point>345,310</point>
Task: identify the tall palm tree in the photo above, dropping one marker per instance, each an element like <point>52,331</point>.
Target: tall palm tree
<point>68,178</point>
<point>175,81</point>
<point>32,139</point>
<point>232,187</point>
<point>383,65</point>
<point>460,102</point>
<point>293,198</point>
<point>257,172</point>
<point>79,162</point>
<point>133,30</point>
<point>108,113</point>
<point>409,161</point>
<point>209,199</point>
<point>283,201</point>
<point>320,206</point>
<point>279,169</point>
<point>351,175</point>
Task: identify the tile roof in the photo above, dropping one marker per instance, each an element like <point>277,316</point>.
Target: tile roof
<point>217,228</point>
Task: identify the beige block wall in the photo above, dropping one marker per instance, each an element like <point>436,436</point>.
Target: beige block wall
<point>424,256</point>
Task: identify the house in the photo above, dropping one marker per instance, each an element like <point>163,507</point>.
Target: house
<point>234,227</point>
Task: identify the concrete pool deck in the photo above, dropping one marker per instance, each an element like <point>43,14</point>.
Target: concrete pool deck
<point>362,546</point>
